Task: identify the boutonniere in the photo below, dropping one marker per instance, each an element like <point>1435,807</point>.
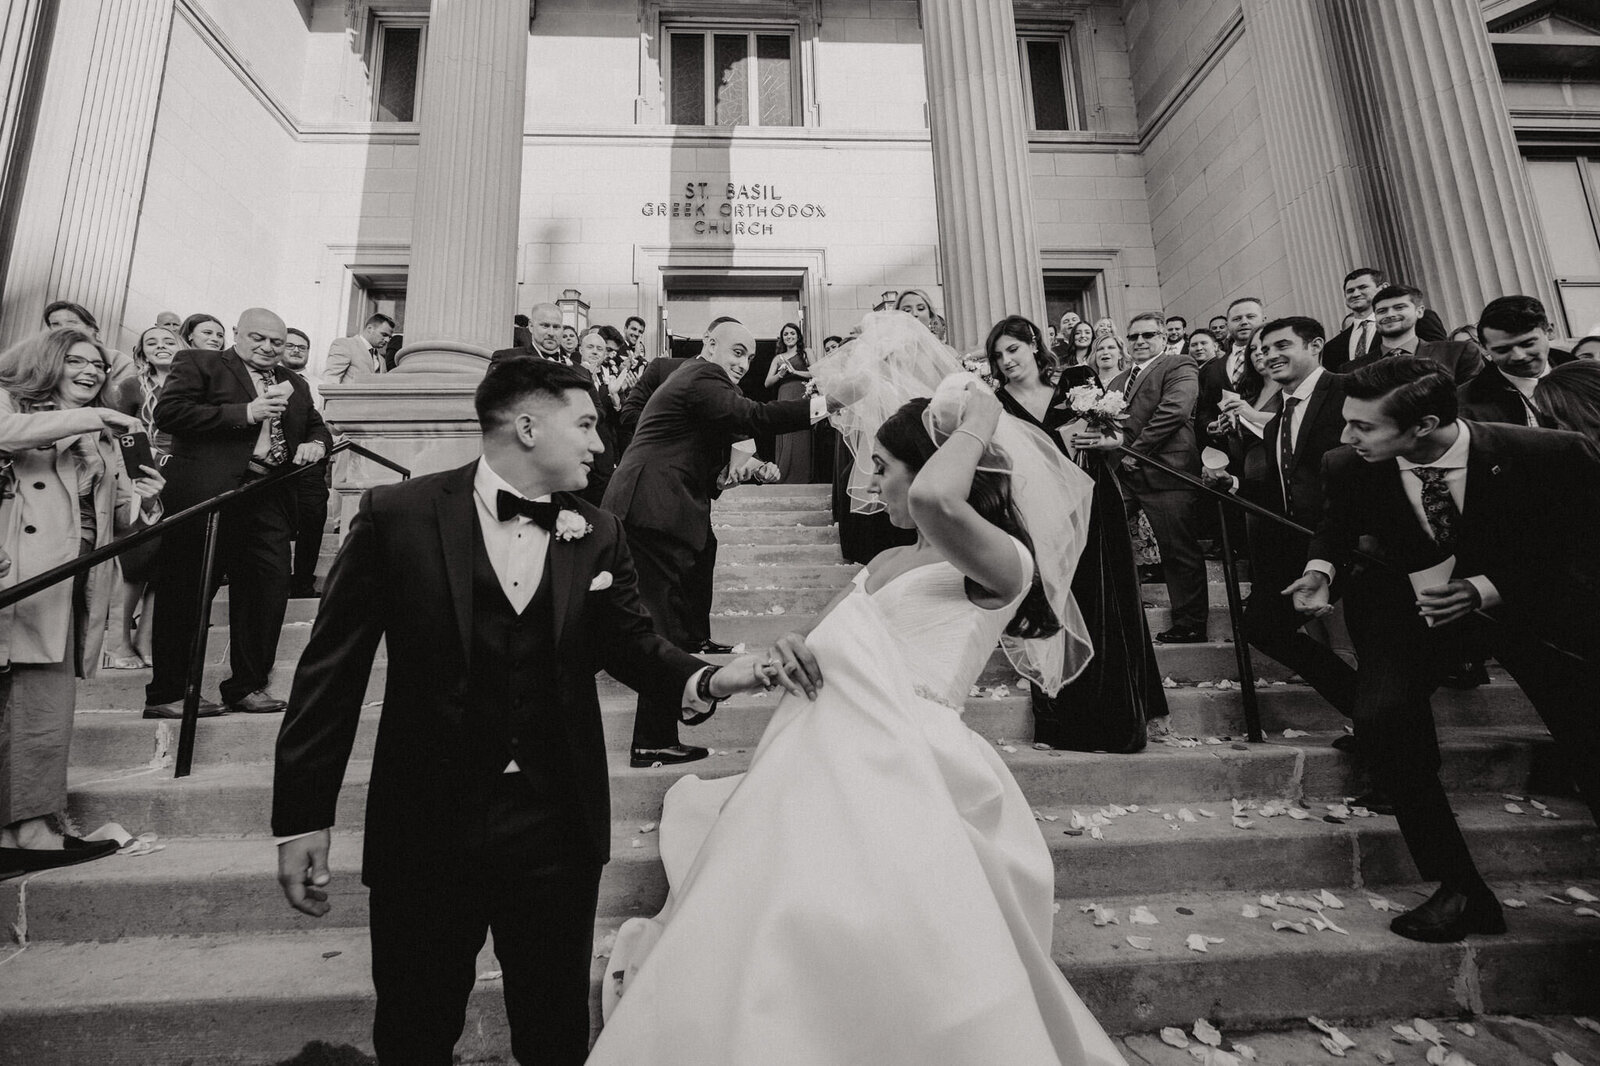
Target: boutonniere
<point>570,525</point>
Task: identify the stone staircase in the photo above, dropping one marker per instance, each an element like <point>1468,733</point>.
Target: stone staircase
<point>190,955</point>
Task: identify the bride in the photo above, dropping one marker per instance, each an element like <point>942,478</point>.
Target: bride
<point>875,890</point>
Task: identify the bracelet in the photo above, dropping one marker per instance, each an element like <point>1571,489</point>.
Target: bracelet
<point>971,434</point>
<point>703,688</point>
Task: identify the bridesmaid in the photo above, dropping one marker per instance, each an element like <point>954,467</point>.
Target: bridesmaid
<point>1111,704</point>
<point>788,375</point>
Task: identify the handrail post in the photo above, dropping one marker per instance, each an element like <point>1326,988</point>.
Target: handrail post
<point>197,653</point>
<point>1241,645</point>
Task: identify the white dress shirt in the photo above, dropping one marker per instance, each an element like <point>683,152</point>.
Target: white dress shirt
<point>1525,387</point>
<point>1361,333</point>
<point>1292,420</point>
<point>1454,464</point>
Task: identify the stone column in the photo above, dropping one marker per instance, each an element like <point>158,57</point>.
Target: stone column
<point>80,211</point>
<point>988,248</point>
<point>462,285</point>
<point>1334,211</point>
<point>1426,84</point>
<point>26,30</point>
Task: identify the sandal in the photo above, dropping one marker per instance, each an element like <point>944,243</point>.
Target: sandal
<point>121,662</point>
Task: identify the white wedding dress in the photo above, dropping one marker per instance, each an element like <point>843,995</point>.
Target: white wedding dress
<point>874,890</point>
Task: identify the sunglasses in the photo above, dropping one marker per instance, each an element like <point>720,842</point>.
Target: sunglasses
<point>1146,336</point>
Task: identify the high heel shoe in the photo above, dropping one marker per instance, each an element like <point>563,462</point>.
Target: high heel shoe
<point>109,661</point>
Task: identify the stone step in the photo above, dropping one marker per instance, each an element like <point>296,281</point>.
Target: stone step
<point>259,998</point>
<point>121,738</point>
<point>832,574</point>
<point>211,886</point>
<point>769,519</point>
<point>809,492</point>
<point>736,502</point>
<point>819,554</point>
<point>235,799</point>
<point>728,533</point>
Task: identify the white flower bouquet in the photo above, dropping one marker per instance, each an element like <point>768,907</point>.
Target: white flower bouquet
<point>1102,411</point>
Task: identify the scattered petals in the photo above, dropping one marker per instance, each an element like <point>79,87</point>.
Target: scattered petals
<point>648,827</point>
<point>1186,815</point>
<point>1536,805</point>
<point>1466,1028</point>
<point>1199,941</point>
<point>1206,1033</point>
<point>1094,831</point>
<point>1249,912</point>
<point>1428,1031</point>
<point>1202,812</point>
<point>1385,1056</point>
<point>1243,823</point>
<point>1512,808</point>
<point>1269,902</point>
<point>1515,904</point>
<point>1299,815</point>
<point>489,975</point>
<point>1245,1052</point>
<point>1550,814</point>
<point>1331,1047</point>
<point>1408,1034</point>
<point>1330,900</point>
<point>1291,734</point>
<point>1142,916</point>
<point>1560,900</point>
<point>1298,927</point>
<point>1514,799</point>
<point>1378,903</point>
<point>1587,912</point>
<point>1589,1024</point>
<point>1142,943</point>
<point>1174,1037</point>
<point>1102,915</point>
<point>1582,896</point>
<point>1561,1058</point>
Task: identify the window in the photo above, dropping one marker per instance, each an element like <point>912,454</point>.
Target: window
<point>1566,194</point>
<point>398,48</point>
<point>731,77</point>
<point>1047,81</point>
<point>377,294</point>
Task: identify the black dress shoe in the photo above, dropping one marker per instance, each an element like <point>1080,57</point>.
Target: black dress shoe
<point>1180,635</point>
<point>1449,916</point>
<point>16,861</point>
<point>643,757</point>
<point>1350,744</point>
<point>175,709</point>
<point>711,647</point>
<point>258,702</point>
<point>1151,574</point>
<point>1467,675</point>
<point>1376,800</point>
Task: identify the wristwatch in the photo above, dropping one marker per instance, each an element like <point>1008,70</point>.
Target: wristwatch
<point>702,691</point>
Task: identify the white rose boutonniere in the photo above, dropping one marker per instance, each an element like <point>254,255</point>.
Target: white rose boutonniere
<point>570,525</point>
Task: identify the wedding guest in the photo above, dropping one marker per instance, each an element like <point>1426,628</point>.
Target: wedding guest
<point>1108,359</point>
<point>1358,340</point>
<point>831,342</point>
<point>1218,326</point>
<point>1203,346</point>
<point>1516,334</point>
<point>1077,346</point>
<point>64,314</point>
<point>169,319</point>
<point>600,351</point>
<point>787,377</point>
<point>1399,310</point>
<point>544,327</point>
<point>1587,348</point>
<point>521,337</point>
<point>1570,394</point>
<point>569,344</point>
<point>311,491</point>
<point>915,303</point>
<point>359,357</point>
<point>69,495</point>
<point>203,331</point>
<point>1160,390</point>
<point>1107,706</point>
<point>1176,324</point>
<point>633,331</point>
<point>128,639</point>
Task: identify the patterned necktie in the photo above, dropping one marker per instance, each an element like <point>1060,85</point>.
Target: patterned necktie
<point>277,447</point>
<point>1235,370</point>
<point>1286,434</point>
<point>1363,338</point>
<point>1439,506</point>
<point>1133,375</point>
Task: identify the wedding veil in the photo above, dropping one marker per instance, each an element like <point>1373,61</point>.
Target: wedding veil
<point>895,359</point>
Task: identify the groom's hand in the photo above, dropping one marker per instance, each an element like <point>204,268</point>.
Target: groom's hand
<point>790,664</point>
<point>303,873</point>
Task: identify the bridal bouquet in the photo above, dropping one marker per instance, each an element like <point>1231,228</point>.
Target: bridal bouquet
<point>1102,411</point>
<point>978,363</point>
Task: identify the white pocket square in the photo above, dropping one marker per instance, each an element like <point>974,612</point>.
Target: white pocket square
<point>601,581</point>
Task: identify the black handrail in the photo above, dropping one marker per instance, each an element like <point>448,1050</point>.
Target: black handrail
<point>210,510</point>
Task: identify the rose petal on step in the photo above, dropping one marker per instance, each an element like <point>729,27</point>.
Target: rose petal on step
<point>1318,924</point>
<point>1587,912</point>
<point>1141,943</point>
<point>1055,908</point>
<point>1009,749</point>
<point>1385,1056</point>
<point>1338,810</point>
<point>1291,734</point>
<point>1206,1033</point>
<point>1514,799</point>
<point>1334,928</point>
<point>1095,832</point>
<point>1512,808</point>
<point>1247,911</point>
<point>1582,895</point>
<point>1186,815</point>
<point>1174,1037</point>
<point>1133,808</point>
<point>1245,1051</point>
<point>1330,900</point>
<point>1243,823</point>
<point>1299,815</point>
<point>1167,682</point>
<point>1428,1031</point>
<point>1197,942</point>
<point>1589,1024</point>
<point>1298,927</point>
<point>648,827</point>
<point>1558,899</point>
<point>1408,1034</point>
<point>1549,814</point>
<point>1466,1029</point>
<point>974,692</point>
<point>1437,1053</point>
<point>1042,746</point>
<point>1515,904</point>
<point>1269,902</point>
<point>1202,812</point>
<point>1168,817</point>
<point>1142,916</point>
<point>1536,805</point>
<point>1331,1047</point>
<point>489,975</point>
<point>1561,1058</point>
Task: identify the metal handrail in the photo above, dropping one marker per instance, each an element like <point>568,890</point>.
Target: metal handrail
<point>210,510</point>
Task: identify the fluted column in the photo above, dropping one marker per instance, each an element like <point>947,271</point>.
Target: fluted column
<point>1334,209</point>
<point>990,253</point>
<point>86,185</point>
<point>461,289</point>
<point>1433,98</point>
<point>25,32</point>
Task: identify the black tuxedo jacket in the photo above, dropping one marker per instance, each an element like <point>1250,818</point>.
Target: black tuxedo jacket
<point>1213,380</point>
<point>1462,360</point>
<point>650,378</point>
<point>1336,354</point>
<point>1321,424</point>
<point>404,575</point>
<point>1532,504</point>
<point>668,475</point>
<point>531,352</point>
<point>1491,397</point>
<point>203,406</point>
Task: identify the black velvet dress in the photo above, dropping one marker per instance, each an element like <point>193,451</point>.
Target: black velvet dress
<point>1105,708</point>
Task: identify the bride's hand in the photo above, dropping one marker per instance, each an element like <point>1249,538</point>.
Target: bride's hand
<point>789,663</point>
<point>981,412</point>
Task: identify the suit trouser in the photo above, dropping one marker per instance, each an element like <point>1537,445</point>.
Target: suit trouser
<point>310,516</point>
<point>539,902</point>
<point>253,542</point>
<point>699,591</point>
<point>1173,520</point>
<point>1401,664</point>
<point>1273,626</point>
<point>667,572</point>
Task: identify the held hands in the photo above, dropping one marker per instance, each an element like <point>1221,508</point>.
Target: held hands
<point>311,451</point>
<point>1446,603</point>
<point>790,664</point>
<point>303,873</point>
<point>1309,593</point>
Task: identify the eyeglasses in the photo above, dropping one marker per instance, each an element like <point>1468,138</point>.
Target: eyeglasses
<point>297,347</point>
<point>1145,336</point>
<point>75,363</point>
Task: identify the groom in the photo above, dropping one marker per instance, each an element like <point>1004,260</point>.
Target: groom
<point>500,594</point>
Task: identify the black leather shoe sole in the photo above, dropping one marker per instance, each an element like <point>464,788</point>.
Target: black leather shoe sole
<point>1376,802</point>
<point>1472,922</point>
<point>641,758</point>
<point>175,710</point>
<point>711,647</point>
<point>269,707</point>
<point>1181,636</point>
<point>17,861</point>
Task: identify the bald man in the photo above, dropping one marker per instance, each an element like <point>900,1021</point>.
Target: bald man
<point>662,491</point>
<point>544,323</point>
<point>234,415</point>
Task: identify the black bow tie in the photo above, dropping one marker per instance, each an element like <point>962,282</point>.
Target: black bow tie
<point>508,505</point>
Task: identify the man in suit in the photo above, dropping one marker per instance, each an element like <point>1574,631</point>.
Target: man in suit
<point>500,594</point>
<point>360,357</point>
<point>310,491</point>
<point>1516,334</point>
<point>1359,338</point>
<point>1245,316</point>
<point>234,415</point>
<point>1160,390</point>
<point>544,327</point>
<point>1514,510</point>
<point>1399,310</point>
<point>633,332</point>
<point>662,491</point>
<point>1176,326</point>
<point>1308,427</point>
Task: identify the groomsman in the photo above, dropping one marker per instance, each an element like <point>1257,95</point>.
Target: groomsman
<point>361,356</point>
<point>1297,439</point>
<point>544,329</point>
<point>1516,334</point>
<point>1513,509</point>
<point>1399,310</point>
<point>1359,339</point>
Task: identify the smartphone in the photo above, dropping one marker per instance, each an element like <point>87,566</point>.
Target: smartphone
<point>136,454</point>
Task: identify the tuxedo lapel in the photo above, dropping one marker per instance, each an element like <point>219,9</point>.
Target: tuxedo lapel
<point>1483,475</point>
<point>1412,544</point>
<point>568,566</point>
<point>454,509</point>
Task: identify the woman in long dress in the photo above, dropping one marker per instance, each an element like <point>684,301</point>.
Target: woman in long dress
<point>1106,707</point>
<point>788,375</point>
<point>875,890</point>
